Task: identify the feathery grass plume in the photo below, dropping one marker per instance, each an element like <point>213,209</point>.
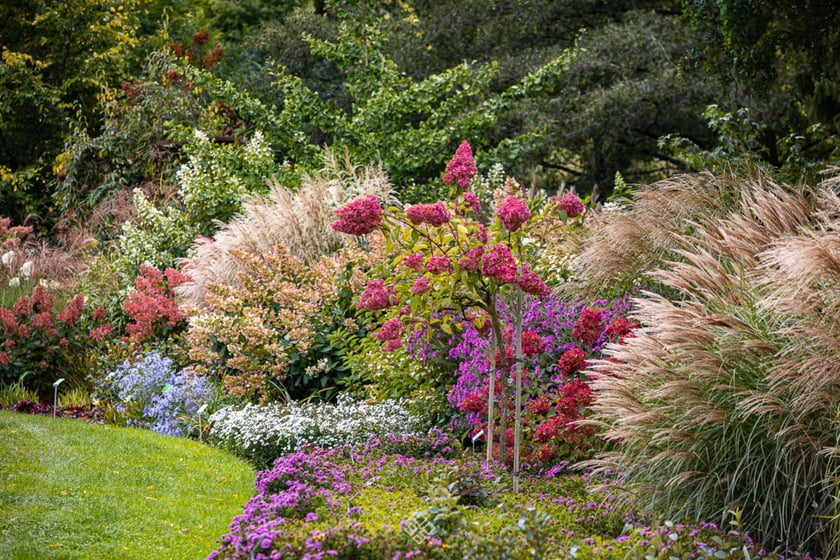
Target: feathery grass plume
<point>300,220</point>
<point>622,244</point>
<point>727,398</point>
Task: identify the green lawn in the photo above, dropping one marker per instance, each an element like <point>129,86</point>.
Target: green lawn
<point>71,489</point>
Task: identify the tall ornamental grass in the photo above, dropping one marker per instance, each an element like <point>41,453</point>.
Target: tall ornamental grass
<point>727,398</point>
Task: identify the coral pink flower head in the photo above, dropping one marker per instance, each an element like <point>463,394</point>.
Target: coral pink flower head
<point>513,212</point>
<point>359,217</point>
<point>461,168</point>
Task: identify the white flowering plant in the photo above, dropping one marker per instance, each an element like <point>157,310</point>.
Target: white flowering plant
<point>262,433</point>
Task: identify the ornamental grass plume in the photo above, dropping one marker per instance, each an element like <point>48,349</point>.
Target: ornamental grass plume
<point>727,398</point>
<point>624,244</point>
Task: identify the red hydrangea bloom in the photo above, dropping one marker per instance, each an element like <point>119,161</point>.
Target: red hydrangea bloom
<point>499,263</point>
<point>42,320</point>
<point>5,358</point>
<point>571,362</point>
<point>360,217</point>
<point>22,306</point>
<point>473,402</point>
<point>513,212</point>
<point>376,296</point>
<point>619,328</point>
<point>433,214</point>
<point>438,264</point>
<point>9,321</point>
<point>100,333</point>
<point>152,305</point>
<point>391,329</point>
<point>41,300</point>
<point>588,326</point>
<point>531,283</point>
<point>574,396</point>
<point>72,311</point>
<point>539,405</point>
<point>414,261</point>
<point>532,344</point>
<point>548,429</point>
<point>461,168</point>
<point>571,205</point>
<point>421,286</point>
<point>545,453</point>
<point>98,314</point>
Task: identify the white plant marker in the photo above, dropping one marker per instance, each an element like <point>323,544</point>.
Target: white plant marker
<point>55,393</point>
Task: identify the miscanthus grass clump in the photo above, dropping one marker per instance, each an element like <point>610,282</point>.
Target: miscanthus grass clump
<point>263,433</point>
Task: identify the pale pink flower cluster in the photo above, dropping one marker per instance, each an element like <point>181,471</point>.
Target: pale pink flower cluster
<point>433,214</point>
<point>531,283</point>
<point>414,261</point>
<point>360,217</point>
<point>461,168</point>
<point>438,264</point>
<point>513,212</point>
<point>421,286</point>
<point>472,259</point>
<point>499,263</point>
<point>376,296</point>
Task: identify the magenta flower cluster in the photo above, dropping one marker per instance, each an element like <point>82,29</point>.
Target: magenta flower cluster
<point>461,168</point>
<point>499,263</point>
<point>433,214</point>
<point>513,212</point>
<point>360,217</point>
<point>376,296</point>
<point>571,205</point>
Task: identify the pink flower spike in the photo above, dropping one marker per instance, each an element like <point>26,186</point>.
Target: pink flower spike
<point>513,213</point>
<point>472,259</point>
<point>360,217</point>
<point>461,168</point>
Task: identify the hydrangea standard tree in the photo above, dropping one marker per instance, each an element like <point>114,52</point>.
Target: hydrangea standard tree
<point>445,262</point>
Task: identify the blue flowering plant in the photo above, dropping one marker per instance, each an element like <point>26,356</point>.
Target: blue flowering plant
<point>151,392</point>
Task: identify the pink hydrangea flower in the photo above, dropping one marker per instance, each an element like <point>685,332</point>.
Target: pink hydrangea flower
<point>571,205</point>
<point>360,217</point>
<point>499,263</point>
<point>438,264</point>
<point>472,258</point>
<point>469,202</point>
<point>433,214</point>
<point>391,329</point>
<point>376,296</point>
<point>414,261</point>
<point>571,362</point>
<point>513,212</point>
<point>421,286</point>
<point>531,283</point>
<point>461,168</point>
